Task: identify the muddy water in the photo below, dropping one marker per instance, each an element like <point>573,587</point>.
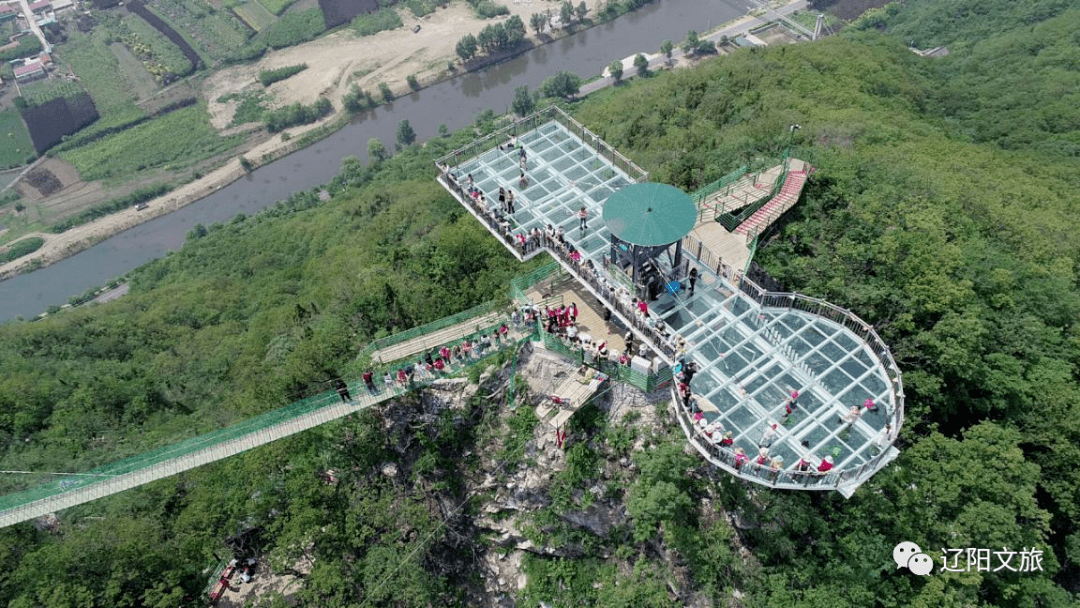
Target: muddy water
<point>454,103</point>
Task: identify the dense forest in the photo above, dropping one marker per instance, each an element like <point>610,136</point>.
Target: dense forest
<point>941,212</point>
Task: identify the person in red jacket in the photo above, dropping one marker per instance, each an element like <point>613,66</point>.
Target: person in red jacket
<point>826,465</point>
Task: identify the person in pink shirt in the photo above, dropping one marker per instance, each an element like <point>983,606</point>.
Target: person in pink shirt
<point>790,403</point>
<point>740,457</point>
<point>643,307</point>
<point>804,463</point>
<point>762,457</point>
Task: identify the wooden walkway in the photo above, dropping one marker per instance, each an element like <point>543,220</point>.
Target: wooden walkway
<point>590,311</point>
<point>734,247</point>
<point>747,190</point>
<point>574,392</point>
<point>435,339</point>
<point>785,199</point>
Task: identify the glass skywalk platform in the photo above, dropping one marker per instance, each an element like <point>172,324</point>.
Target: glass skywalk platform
<point>752,348</point>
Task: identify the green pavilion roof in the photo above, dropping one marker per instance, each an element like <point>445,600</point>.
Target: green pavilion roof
<point>650,214</point>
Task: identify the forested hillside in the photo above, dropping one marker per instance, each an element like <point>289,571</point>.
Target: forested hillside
<point>942,211</point>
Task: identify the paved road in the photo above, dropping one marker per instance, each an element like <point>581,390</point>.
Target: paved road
<point>34,26</point>
<point>735,28</point>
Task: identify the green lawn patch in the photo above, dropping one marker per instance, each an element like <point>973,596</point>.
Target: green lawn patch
<point>174,140</point>
<point>16,146</point>
<point>276,6</point>
<point>269,77</point>
<point>385,18</point>
<point>139,81</point>
<point>99,71</point>
<point>21,248</point>
<point>255,15</point>
<point>250,109</point>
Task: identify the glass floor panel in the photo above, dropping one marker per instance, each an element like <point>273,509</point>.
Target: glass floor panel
<point>750,357</point>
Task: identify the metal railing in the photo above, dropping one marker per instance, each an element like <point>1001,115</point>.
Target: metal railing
<point>428,328</point>
<point>603,283</point>
<point>520,285</point>
<point>755,232</point>
<point>535,121</point>
<point>731,220</point>
<point>222,443</point>
<point>786,478</point>
<point>615,370</point>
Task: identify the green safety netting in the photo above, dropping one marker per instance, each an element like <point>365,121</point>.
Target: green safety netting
<point>237,431</point>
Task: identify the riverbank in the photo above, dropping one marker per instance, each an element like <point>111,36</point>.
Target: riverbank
<point>335,62</point>
<point>60,246</point>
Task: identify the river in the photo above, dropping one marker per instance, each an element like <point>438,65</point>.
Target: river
<point>455,103</point>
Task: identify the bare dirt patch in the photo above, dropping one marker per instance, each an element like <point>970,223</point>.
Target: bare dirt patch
<point>50,177</point>
<point>334,60</point>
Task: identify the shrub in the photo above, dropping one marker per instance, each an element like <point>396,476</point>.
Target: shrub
<point>642,64</point>
<point>387,94</point>
<point>413,83</point>
<point>385,18</point>
<point>269,77</point>
<point>486,9</point>
<point>356,99</point>
<point>523,102</point>
<point>296,114</point>
<point>563,84</point>
<point>616,70</point>
<point>419,8</point>
<point>22,247</point>
<point>466,47</point>
<point>405,134</point>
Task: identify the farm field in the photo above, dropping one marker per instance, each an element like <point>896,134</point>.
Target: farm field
<point>99,72</point>
<point>215,34</point>
<point>277,6</point>
<point>16,140</point>
<point>167,57</point>
<point>255,15</point>
<point>140,82</point>
<point>175,140</point>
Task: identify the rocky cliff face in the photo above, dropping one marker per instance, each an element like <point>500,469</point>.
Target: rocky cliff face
<point>522,493</point>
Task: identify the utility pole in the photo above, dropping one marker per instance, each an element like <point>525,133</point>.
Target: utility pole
<point>791,136</point>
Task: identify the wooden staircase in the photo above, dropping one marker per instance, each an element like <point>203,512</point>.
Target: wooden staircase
<point>784,200</point>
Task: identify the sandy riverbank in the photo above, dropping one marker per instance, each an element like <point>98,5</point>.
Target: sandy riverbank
<point>334,63</point>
